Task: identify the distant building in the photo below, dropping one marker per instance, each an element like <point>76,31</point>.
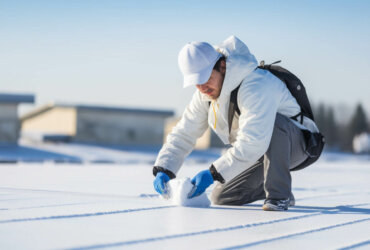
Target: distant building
<point>9,121</point>
<point>361,143</point>
<point>97,124</point>
<point>208,140</point>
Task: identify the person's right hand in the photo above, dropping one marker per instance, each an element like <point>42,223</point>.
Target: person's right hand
<point>160,183</point>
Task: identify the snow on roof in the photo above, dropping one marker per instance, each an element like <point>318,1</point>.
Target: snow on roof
<point>96,206</point>
<point>17,98</point>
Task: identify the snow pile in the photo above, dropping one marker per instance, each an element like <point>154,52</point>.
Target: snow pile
<point>178,194</point>
<point>361,143</point>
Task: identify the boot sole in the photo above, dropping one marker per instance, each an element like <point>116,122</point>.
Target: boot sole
<point>269,207</point>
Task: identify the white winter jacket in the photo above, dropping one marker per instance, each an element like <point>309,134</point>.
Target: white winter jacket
<point>261,95</point>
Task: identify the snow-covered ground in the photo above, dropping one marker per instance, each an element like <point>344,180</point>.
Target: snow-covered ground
<point>95,204</point>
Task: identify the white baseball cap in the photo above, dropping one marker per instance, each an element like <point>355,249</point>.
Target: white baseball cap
<point>196,61</point>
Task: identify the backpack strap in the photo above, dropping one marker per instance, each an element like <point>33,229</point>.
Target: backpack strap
<point>295,117</point>
<point>233,106</point>
<point>267,66</point>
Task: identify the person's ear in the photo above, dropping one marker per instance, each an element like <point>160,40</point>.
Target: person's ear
<point>223,67</point>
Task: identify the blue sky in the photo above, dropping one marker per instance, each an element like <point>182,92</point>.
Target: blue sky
<point>124,53</point>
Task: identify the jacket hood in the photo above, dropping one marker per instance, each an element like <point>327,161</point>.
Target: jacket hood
<point>239,63</point>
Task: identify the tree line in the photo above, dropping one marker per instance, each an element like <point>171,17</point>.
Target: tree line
<point>339,135</point>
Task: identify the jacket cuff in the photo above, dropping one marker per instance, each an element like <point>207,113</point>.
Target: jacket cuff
<point>157,169</point>
<point>216,175</point>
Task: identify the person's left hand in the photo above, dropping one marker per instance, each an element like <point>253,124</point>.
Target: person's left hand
<point>201,182</point>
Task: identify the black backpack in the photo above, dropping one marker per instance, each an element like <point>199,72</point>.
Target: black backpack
<point>314,141</point>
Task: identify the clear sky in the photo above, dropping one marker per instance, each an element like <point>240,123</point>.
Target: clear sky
<point>124,53</point>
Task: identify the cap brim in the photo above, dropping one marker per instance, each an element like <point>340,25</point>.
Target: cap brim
<point>198,78</point>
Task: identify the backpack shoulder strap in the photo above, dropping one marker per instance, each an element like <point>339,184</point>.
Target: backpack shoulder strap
<point>233,106</point>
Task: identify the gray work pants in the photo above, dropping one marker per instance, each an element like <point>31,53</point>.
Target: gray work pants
<point>270,176</point>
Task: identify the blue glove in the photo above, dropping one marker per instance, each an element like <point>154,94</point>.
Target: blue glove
<point>201,182</point>
<point>160,183</point>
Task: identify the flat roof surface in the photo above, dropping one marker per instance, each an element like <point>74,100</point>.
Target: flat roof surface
<point>17,98</point>
<point>100,206</point>
<point>125,110</point>
<point>98,108</point>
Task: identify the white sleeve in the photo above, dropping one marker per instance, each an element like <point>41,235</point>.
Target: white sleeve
<point>181,141</point>
<point>258,103</point>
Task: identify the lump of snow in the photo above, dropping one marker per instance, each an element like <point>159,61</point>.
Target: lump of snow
<point>178,194</point>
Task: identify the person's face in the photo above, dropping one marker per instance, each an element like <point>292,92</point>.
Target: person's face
<point>213,86</point>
